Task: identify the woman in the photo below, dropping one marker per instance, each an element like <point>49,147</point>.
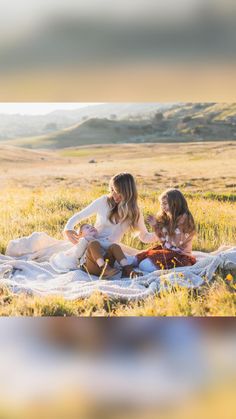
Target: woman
<point>117,213</point>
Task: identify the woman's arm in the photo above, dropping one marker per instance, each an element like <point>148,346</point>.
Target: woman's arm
<point>144,235</point>
<point>80,216</point>
<point>84,213</point>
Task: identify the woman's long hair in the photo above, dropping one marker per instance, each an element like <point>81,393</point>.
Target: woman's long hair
<point>178,207</point>
<point>127,209</point>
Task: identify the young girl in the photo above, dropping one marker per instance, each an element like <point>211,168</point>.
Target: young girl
<point>175,228</point>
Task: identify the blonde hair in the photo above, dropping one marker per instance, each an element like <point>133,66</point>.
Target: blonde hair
<point>178,207</point>
<point>127,209</point>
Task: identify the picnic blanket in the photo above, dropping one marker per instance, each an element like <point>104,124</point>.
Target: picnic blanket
<point>26,267</point>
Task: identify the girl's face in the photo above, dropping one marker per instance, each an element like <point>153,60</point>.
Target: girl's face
<point>165,206</point>
<point>115,195</point>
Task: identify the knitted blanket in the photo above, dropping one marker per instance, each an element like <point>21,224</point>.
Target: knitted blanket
<point>26,268</point>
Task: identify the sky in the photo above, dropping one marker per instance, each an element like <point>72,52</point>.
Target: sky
<point>39,108</point>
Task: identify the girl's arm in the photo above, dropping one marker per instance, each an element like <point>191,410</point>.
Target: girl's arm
<point>183,240</point>
<point>144,235</point>
<point>158,231</point>
<point>157,227</point>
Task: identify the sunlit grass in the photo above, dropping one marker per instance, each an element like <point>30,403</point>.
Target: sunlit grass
<point>23,211</point>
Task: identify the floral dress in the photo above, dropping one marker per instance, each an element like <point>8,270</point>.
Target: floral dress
<point>174,250</point>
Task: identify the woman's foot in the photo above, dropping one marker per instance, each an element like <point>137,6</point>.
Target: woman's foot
<point>129,272</point>
<point>108,272</point>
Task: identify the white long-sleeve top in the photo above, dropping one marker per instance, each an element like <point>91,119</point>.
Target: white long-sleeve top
<point>106,229</point>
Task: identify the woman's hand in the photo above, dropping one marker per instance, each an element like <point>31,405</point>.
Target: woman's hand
<point>151,220</point>
<point>72,236</point>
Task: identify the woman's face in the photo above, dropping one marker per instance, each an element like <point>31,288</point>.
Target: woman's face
<point>165,206</point>
<point>115,195</point>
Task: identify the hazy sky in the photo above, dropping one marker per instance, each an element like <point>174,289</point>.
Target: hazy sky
<point>38,108</point>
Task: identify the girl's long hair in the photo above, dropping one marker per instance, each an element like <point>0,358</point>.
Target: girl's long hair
<point>127,209</point>
<point>178,207</point>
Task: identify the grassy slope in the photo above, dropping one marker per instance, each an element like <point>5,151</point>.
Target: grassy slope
<point>203,125</point>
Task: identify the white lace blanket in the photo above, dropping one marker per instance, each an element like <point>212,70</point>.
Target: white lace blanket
<point>26,268</point>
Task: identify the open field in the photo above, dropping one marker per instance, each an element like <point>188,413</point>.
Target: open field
<point>195,167</point>
<point>41,190</point>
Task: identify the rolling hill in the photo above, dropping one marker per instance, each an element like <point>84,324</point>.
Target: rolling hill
<point>18,125</point>
<point>176,123</point>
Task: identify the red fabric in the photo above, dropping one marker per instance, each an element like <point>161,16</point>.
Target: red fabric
<point>166,258</point>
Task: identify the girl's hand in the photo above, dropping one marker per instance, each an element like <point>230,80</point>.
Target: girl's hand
<point>151,220</point>
<point>72,236</point>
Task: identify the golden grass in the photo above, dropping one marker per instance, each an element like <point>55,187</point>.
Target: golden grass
<point>23,211</point>
<point>41,190</point>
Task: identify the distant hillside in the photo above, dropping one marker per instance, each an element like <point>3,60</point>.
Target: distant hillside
<point>180,122</point>
<point>15,126</point>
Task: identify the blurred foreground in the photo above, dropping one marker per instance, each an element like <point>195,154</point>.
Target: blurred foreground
<point>117,368</point>
<point>133,50</point>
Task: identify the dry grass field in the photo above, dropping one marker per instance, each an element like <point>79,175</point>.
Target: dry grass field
<point>42,189</point>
